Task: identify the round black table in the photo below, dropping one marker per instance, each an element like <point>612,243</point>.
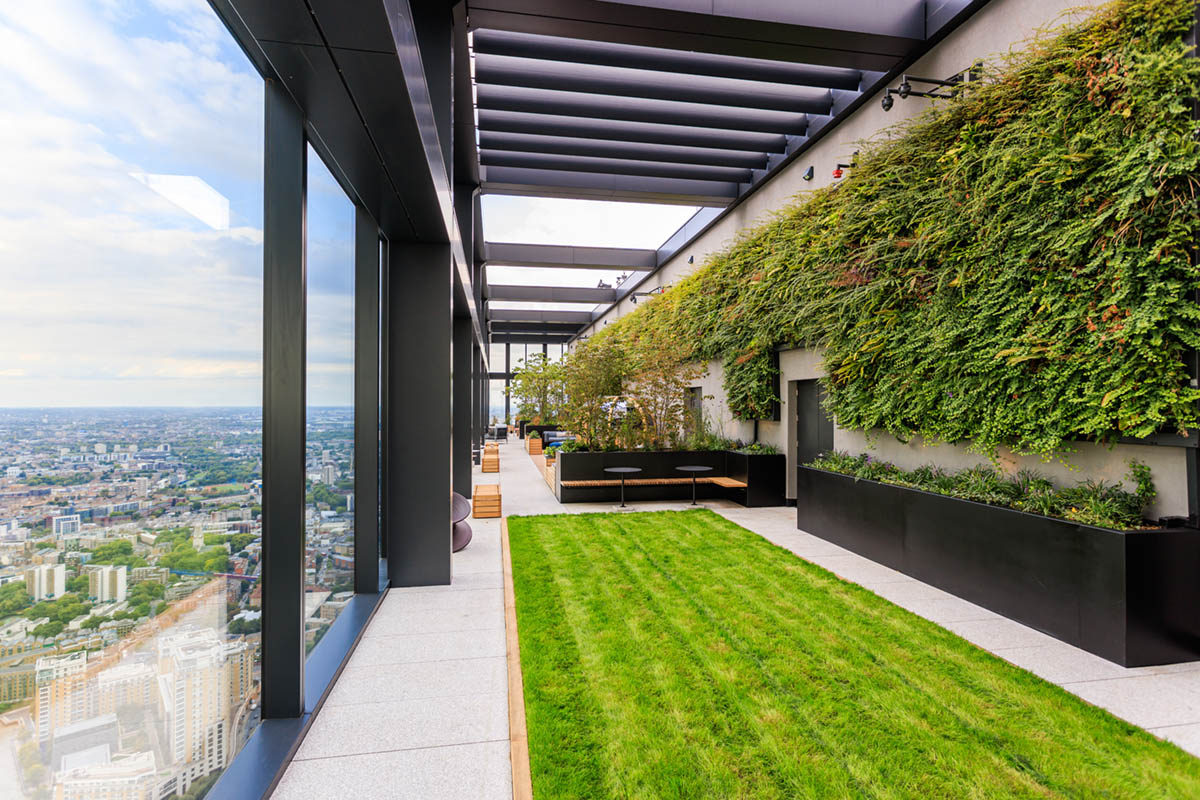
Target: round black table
<point>694,469</point>
<point>460,509</point>
<point>623,471</point>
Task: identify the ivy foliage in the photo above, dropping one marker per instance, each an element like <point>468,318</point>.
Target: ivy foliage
<point>1010,268</point>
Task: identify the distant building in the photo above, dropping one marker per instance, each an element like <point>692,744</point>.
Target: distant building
<point>141,486</point>
<point>46,580</point>
<point>153,574</point>
<point>125,685</point>
<point>202,682</point>
<point>16,683</point>
<point>62,696</point>
<point>94,774</point>
<point>107,583</point>
<point>13,472</point>
<point>79,737</point>
<point>350,502</point>
<point>66,525</point>
<point>329,474</point>
<point>100,449</point>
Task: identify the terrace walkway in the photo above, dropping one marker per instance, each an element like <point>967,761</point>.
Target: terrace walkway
<point>421,708</point>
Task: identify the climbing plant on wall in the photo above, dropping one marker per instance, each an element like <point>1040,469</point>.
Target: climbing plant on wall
<point>1011,268</point>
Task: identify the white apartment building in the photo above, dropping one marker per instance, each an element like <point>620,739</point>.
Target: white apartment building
<point>107,583</point>
<point>45,581</point>
<point>66,525</point>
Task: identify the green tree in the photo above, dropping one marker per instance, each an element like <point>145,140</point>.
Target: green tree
<point>595,375</point>
<point>14,598</point>
<point>119,553</point>
<point>538,388</point>
<point>48,630</point>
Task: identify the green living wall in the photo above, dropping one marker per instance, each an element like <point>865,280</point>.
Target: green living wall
<point>1011,268</point>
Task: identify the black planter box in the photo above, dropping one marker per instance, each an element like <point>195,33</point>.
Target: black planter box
<point>528,428</point>
<point>1130,597</point>
<point>764,476</point>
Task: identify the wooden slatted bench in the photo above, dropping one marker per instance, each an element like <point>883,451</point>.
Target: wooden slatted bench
<point>485,501</point>
<point>728,483</point>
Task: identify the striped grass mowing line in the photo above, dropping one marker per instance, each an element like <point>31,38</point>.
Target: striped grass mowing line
<point>676,654</point>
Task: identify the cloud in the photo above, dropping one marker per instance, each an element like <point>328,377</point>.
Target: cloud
<point>116,294</point>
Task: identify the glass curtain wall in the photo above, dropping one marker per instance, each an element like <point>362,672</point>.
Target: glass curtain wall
<point>130,398</point>
<point>329,449</point>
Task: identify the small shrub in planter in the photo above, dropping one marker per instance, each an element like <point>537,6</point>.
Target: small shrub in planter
<point>1090,503</point>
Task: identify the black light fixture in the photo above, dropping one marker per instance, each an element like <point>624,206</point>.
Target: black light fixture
<point>953,85</point>
<point>808,173</point>
<point>691,259</point>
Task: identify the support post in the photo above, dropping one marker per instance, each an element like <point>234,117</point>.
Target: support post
<point>366,402</point>
<point>420,303</point>
<point>463,434</point>
<point>284,310</point>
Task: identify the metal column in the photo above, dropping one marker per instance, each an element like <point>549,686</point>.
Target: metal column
<point>284,310</point>
<point>366,402</point>
<point>420,300</point>
<point>463,433</point>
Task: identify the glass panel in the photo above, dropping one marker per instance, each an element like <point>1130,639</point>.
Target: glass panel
<point>496,402</point>
<point>131,267</point>
<point>329,520</point>
<point>495,357</point>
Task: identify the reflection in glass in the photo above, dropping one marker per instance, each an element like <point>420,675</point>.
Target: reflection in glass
<point>496,357</point>
<point>130,355</point>
<point>329,514</point>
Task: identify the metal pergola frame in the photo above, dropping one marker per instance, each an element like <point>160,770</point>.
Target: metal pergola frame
<point>637,101</point>
<point>632,100</point>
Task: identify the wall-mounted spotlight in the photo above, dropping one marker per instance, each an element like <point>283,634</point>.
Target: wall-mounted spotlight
<point>808,174</point>
<point>633,298</point>
<point>691,259</point>
<point>951,86</point>
<point>840,169</point>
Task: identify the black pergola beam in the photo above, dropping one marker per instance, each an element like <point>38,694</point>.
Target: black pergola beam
<point>551,48</point>
<point>525,182</point>
<point>539,328</point>
<point>513,254</point>
<point>636,109</point>
<point>636,151</point>
<point>613,166</point>
<point>626,131</point>
<point>527,338</point>
<point>537,315</point>
<point>502,71</point>
<point>551,294</point>
<point>770,35</point>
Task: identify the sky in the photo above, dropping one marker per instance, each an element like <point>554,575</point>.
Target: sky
<point>131,215</point>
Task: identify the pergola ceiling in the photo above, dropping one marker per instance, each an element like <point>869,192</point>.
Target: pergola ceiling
<point>690,102</point>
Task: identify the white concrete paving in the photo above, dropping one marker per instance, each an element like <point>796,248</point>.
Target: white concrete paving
<point>421,709</point>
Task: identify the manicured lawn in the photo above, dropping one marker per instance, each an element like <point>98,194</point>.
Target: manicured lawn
<point>675,654</point>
